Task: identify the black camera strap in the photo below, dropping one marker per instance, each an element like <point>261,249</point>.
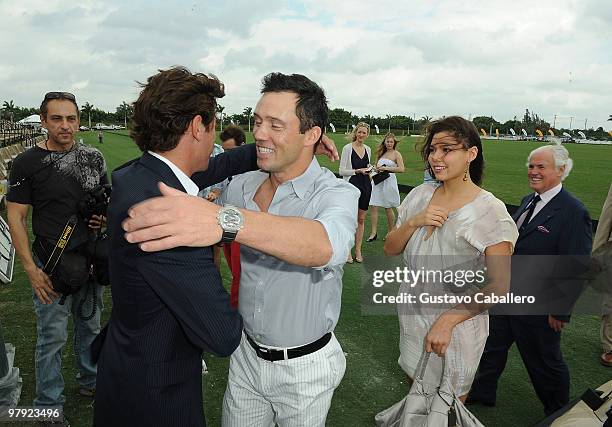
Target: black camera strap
<point>61,244</point>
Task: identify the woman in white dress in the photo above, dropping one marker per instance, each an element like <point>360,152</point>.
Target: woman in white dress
<point>451,225</point>
<point>386,194</point>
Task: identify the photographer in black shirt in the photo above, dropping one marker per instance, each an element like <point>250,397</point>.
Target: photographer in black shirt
<point>52,178</point>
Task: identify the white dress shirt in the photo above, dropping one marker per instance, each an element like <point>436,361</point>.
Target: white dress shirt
<point>190,187</point>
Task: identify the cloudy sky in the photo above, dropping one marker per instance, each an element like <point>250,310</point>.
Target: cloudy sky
<point>435,57</point>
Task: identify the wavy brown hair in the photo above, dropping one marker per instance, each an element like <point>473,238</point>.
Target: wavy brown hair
<point>466,133</point>
<point>168,103</point>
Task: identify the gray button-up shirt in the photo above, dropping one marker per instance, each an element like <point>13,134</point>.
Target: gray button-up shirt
<point>286,305</point>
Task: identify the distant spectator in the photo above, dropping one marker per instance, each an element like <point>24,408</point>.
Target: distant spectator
<point>232,137</point>
<point>386,193</point>
<point>355,168</point>
<point>101,136</point>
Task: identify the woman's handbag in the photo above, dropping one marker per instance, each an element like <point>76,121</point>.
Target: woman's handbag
<point>380,177</point>
<point>428,405</point>
<point>594,409</point>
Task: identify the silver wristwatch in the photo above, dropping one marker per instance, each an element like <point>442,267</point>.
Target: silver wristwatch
<point>231,221</point>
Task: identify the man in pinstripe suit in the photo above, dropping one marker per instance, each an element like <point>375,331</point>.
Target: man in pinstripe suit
<point>170,306</point>
<point>298,222</point>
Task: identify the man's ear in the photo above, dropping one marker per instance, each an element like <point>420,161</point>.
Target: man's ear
<point>312,136</point>
<point>195,127</point>
<point>561,170</point>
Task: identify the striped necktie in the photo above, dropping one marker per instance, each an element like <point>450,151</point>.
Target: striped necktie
<point>532,206</point>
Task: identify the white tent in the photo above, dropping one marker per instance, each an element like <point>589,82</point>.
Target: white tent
<point>30,120</point>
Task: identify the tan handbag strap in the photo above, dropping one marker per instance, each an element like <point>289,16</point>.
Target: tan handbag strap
<point>422,366</point>
<point>445,386</point>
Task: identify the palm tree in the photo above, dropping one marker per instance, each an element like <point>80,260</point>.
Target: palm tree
<point>424,122</point>
<point>247,112</point>
<point>9,107</point>
<point>610,118</point>
<point>125,110</point>
<point>87,108</point>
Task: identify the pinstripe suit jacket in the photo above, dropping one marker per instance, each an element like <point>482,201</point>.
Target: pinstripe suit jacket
<point>562,228</point>
<point>168,307</point>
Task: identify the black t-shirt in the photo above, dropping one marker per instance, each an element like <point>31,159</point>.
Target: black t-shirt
<point>54,184</point>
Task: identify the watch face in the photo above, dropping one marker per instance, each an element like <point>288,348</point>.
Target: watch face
<point>230,219</point>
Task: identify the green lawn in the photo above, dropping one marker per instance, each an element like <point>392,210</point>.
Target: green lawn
<point>506,171</point>
<point>373,380</point>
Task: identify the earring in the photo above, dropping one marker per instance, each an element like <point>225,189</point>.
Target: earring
<point>465,174</point>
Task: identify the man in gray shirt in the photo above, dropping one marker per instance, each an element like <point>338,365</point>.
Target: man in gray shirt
<point>296,223</point>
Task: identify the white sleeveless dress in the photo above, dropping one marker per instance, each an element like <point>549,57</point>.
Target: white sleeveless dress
<point>386,194</point>
<point>459,244</point>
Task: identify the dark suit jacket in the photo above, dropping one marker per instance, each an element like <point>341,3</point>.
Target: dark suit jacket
<point>550,256</point>
<point>168,307</point>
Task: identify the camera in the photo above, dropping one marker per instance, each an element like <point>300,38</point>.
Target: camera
<point>95,201</point>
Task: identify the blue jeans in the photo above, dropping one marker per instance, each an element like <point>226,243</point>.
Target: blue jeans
<point>51,335</point>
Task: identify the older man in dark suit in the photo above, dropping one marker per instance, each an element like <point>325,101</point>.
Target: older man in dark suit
<point>554,228</point>
<point>170,306</point>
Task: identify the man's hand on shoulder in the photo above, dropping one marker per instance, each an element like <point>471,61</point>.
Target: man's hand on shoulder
<point>328,148</point>
<point>172,220</point>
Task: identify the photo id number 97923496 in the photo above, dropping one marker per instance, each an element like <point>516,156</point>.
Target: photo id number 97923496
<point>31,413</point>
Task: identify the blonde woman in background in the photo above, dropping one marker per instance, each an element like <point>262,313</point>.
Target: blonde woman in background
<point>355,168</point>
<point>385,194</point>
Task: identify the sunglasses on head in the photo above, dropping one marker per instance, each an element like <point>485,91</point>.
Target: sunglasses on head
<point>60,95</point>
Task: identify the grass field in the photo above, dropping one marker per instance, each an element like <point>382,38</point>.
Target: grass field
<point>373,380</point>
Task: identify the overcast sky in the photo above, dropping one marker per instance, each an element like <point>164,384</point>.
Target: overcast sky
<point>372,57</point>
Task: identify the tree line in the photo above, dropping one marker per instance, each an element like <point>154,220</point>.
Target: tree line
<point>90,115</point>
<point>341,119</point>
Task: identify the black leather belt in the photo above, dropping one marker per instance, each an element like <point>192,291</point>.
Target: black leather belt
<point>274,355</point>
